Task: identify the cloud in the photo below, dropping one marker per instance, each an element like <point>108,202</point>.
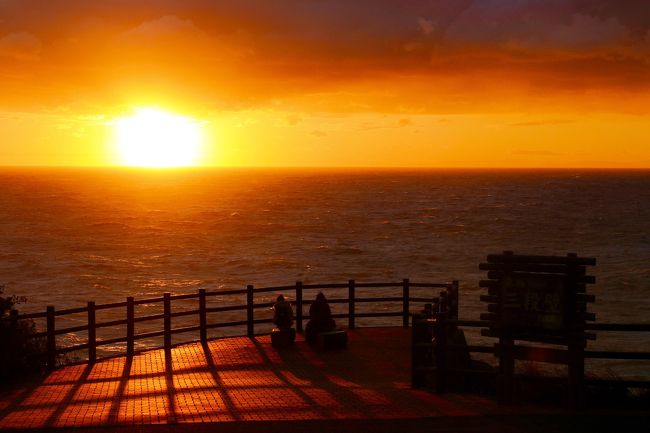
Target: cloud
<point>426,26</point>
<point>529,24</point>
<point>535,153</point>
<point>168,26</point>
<point>582,32</point>
<point>22,45</point>
<point>633,14</point>
<point>318,133</point>
<point>293,119</point>
<point>586,30</point>
<point>420,56</point>
<point>541,122</point>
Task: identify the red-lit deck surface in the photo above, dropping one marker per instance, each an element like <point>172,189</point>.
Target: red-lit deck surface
<point>239,380</point>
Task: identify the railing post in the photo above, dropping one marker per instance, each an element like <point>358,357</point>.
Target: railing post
<point>299,306</point>
<point>250,329</point>
<point>92,333</point>
<point>203,322</point>
<point>405,302</point>
<point>167,311</point>
<point>453,300</point>
<point>130,326</point>
<point>351,286</point>
<point>51,339</point>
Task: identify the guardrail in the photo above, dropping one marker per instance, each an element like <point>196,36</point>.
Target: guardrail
<point>203,312</point>
<point>442,322</point>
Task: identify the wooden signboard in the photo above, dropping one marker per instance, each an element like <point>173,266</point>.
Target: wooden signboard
<point>534,305</point>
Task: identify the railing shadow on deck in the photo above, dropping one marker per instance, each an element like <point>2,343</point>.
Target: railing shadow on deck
<point>239,379</point>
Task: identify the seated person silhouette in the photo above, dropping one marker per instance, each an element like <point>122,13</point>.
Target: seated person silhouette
<point>282,313</point>
<point>284,335</point>
<point>320,319</point>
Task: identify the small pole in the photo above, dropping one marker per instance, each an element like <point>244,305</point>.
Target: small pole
<point>421,350</point>
<point>203,320</point>
<point>576,374</point>
<point>51,339</point>
<point>505,383</point>
<point>249,311</point>
<point>130,326</point>
<point>92,333</point>
<point>435,305</point>
<point>167,311</point>
<point>416,376</point>
<point>405,302</point>
<point>444,302</point>
<point>441,352</point>
<point>299,306</point>
<point>351,286</point>
<point>505,351</point>
<point>576,346</point>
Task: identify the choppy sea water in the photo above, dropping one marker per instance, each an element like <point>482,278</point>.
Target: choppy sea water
<point>72,235</point>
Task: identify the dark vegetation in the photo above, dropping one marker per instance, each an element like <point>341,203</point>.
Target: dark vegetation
<point>21,357</point>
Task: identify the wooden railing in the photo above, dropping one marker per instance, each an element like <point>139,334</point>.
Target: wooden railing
<point>203,312</point>
<point>442,371</point>
<point>531,300</point>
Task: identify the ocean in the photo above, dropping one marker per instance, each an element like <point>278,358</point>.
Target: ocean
<point>68,236</point>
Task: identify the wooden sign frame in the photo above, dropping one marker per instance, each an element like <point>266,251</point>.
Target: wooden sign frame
<point>538,299</point>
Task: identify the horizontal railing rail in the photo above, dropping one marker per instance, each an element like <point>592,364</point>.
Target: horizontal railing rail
<point>203,311</point>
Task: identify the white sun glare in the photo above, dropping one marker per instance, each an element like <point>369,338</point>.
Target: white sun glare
<point>155,138</point>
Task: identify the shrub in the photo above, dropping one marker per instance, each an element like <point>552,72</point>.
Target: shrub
<point>21,356</point>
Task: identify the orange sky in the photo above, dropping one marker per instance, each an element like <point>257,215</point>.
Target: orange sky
<point>441,83</point>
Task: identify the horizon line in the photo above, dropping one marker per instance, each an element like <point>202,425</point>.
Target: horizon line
<point>308,167</point>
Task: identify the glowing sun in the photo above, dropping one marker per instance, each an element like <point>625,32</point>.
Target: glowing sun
<point>155,138</point>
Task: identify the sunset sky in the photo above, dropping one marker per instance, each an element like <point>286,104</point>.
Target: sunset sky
<point>439,83</point>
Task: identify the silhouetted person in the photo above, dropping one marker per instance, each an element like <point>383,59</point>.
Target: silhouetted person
<point>320,319</point>
<point>283,313</point>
